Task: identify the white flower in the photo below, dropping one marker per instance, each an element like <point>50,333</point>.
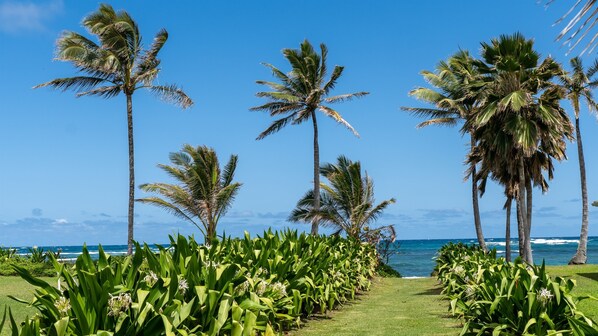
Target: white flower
<point>118,304</point>
<point>278,289</point>
<point>63,305</point>
<point>261,288</point>
<point>458,270</point>
<point>544,296</point>
<point>469,291</point>
<point>211,264</point>
<point>183,286</point>
<point>150,279</point>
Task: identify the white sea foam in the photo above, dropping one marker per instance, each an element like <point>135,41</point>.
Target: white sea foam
<point>539,241</point>
<point>414,277</point>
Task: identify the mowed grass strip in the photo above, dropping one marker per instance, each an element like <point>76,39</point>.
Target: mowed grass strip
<point>393,307</point>
<point>17,287</point>
<point>586,280</point>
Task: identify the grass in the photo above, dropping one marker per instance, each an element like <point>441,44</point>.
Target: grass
<point>586,278</point>
<point>17,287</point>
<point>393,306</point>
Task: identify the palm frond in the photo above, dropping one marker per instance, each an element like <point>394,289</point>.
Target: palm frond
<point>104,92</point>
<point>275,126</point>
<point>337,117</point>
<point>345,97</point>
<point>172,94</point>
<point>79,83</point>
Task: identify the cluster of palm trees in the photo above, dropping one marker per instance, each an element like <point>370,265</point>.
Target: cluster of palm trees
<point>119,64</point>
<point>508,101</point>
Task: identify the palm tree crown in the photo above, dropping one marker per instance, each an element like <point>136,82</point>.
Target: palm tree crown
<point>348,203</point>
<point>302,92</point>
<point>205,192</point>
<point>118,64</point>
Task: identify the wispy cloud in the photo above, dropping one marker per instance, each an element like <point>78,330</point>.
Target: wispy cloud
<point>442,214</point>
<point>60,221</point>
<point>37,212</point>
<point>273,215</point>
<point>25,16</point>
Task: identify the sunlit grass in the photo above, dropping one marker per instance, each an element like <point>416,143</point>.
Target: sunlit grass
<point>393,307</point>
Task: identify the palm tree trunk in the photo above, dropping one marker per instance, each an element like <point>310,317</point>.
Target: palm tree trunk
<point>522,212</point>
<point>580,256</point>
<point>520,230</point>
<point>131,174</point>
<point>475,202</point>
<point>508,229</point>
<point>528,223</point>
<point>315,221</point>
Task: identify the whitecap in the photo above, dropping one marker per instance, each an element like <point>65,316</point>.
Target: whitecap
<point>554,241</point>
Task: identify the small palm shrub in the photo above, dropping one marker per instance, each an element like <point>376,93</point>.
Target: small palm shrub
<point>500,298</point>
<point>239,287</point>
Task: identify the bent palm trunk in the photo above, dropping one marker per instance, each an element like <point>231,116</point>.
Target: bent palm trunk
<point>475,203</point>
<point>580,256</point>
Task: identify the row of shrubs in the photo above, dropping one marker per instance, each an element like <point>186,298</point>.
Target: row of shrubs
<point>495,297</point>
<point>37,261</point>
<point>246,286</point>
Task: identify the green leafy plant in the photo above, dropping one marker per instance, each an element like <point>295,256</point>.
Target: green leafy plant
<point>239,287</point>
<point>500,298</point>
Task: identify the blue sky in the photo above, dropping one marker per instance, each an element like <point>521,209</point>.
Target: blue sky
<point>63,160</point>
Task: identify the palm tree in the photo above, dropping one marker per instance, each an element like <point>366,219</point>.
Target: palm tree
<point>118,64</point>
<point>453,103</point>
<point>595,203</point>
<point>520,117</point>
<point>578,86</point>
<point>301,93</point>
<point>348,203</point>
<point>205,192</point>
<point>580,25</point>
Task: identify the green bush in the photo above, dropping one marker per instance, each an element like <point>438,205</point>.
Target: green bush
<point>500,298</point>
<point>234,286</point>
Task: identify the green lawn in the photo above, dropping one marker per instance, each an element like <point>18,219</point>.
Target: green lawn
<point>586,278</point>
<point>392,307</point>
<point>15,286</point>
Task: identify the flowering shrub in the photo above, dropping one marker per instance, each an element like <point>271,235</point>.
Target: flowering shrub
<point>235,286</point>
<point>500,298</point>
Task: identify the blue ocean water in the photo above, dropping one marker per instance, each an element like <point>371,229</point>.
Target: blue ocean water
<point>415,258</point>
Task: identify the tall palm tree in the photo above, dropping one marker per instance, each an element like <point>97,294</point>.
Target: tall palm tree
<point>453,104</point>
<point>205,192</point>
<point>520,116</point>
<point>300,93</point>
<point>348,203</point>
<point>578,86</point>
<point>118,64</point>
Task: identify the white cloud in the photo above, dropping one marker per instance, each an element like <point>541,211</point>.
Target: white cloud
<point>19,16</point>
<point>60,221</point>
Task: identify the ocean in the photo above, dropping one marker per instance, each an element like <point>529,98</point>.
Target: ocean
<point>414,258</point>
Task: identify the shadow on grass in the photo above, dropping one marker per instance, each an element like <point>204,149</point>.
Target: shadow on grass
<point>593,276</point>
<point>431,291</point>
